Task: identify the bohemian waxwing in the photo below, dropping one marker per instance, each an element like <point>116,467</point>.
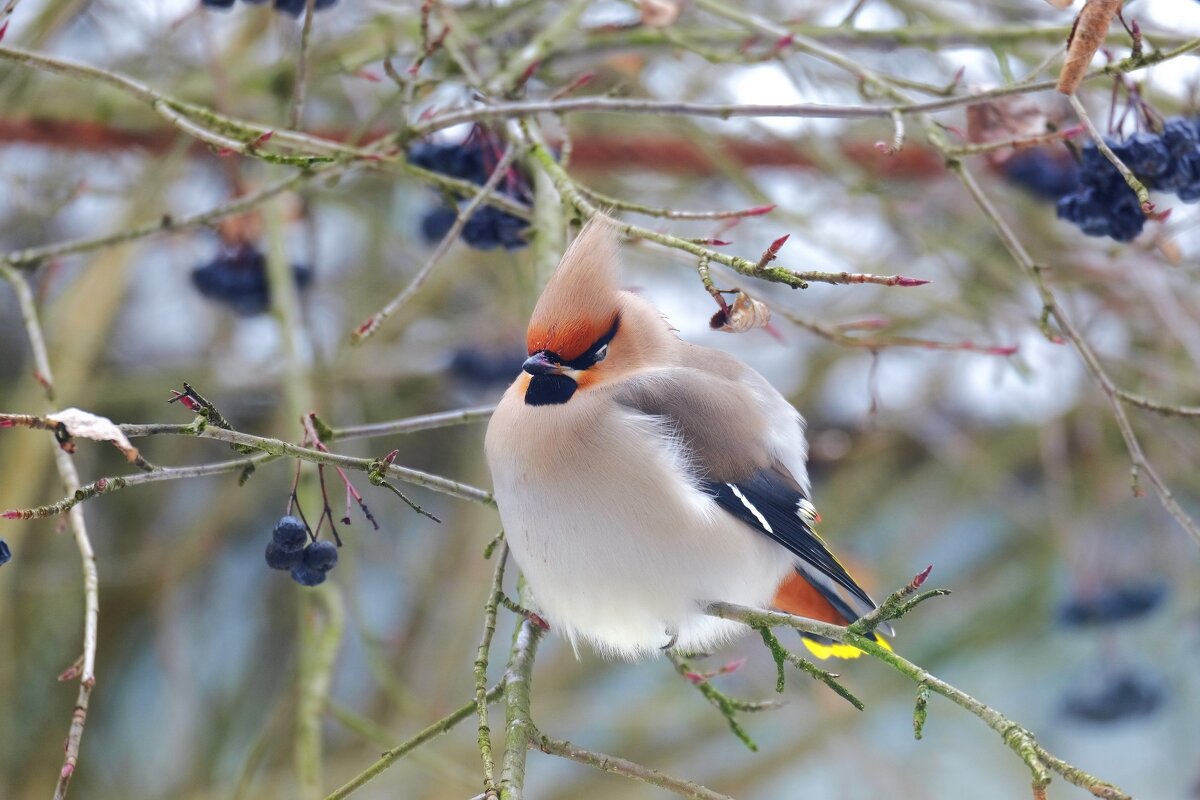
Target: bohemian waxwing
<point>640,477</point>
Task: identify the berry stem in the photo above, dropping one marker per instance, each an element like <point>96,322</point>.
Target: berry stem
<point>1143,195</point>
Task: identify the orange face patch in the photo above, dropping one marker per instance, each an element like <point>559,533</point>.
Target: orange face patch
<point>568,341</point>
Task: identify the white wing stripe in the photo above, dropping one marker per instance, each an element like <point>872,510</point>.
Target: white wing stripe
<point>757,515</point>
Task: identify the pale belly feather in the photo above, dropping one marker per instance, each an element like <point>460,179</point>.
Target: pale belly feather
<point>619,547</point>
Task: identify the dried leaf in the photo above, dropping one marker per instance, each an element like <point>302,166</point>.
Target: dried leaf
<point>1091,27</point>
<point>743,314</point>
<point>84,425</point>
<point>659,13</point>
<point>1007,118</point>
<point>1003,120</point>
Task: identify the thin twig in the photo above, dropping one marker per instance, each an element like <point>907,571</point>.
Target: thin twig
<point>87,556</point>
<point>627,768</point>
<point>31,257</point>
<point>301,87</point>
<point>484,737</point>
<point>793,278</point>
<point>1131,180</point>
<point>427,734</point>
<point>368,328</point>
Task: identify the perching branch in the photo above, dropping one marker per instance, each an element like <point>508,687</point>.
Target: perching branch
<point>1040,762</point>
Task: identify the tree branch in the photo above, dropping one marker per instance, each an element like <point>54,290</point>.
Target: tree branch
<point>87,556</point>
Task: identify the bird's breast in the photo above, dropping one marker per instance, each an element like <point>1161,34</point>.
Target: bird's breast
<point>602,511</point>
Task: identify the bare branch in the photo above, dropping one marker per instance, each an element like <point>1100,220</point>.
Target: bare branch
<point>627,768</point>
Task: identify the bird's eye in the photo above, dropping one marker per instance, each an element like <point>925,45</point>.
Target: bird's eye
<point>600,353</point>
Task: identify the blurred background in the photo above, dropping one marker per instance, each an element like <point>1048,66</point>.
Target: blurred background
<point>1076,607</point>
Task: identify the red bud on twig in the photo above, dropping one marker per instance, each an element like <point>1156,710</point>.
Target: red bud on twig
<point>772,251</point>
<point>920,577</point>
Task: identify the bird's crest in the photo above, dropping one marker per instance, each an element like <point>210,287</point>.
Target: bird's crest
<point>579,304</point>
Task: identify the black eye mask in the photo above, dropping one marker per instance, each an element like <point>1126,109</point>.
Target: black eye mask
<point>549,390</point>
<point>545,390</point>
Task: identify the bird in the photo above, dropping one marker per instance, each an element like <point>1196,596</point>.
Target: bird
<point>640,478</point>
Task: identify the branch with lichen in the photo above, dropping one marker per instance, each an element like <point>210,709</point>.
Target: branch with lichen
<point>1038,760</point>
<point>264,450</point>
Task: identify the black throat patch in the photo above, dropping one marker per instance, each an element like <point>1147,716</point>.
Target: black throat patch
<point>549,390</point>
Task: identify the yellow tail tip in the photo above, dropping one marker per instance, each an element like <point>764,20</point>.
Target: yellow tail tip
<point>837,650</point>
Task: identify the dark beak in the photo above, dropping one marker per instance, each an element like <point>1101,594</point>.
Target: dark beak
<point>542,364</point>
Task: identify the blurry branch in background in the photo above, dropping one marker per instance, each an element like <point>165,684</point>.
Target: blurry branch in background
<point>838,335</point>
<point>33,257</point>
<point>85,669</point>
<point>6,12</point>
<point>626,768</point>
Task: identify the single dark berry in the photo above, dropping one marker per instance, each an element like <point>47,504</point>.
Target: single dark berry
<point>436,223</point>
<point>463,161</point>
<point>1115,697</point>
<point>1148,157</point>
<point>1181,134</point>
<point>307,577</point>
<point>483,365</point>
<point>280,558</point>
<point>1048,174</point>
<point>1113,604</point>
<point>321,556</point>
<point>296,7</point>
<point>489,227</point>
<point>237,277</point>
<point>217,3</point>
<point>290,534</point>
<point>5,553</point>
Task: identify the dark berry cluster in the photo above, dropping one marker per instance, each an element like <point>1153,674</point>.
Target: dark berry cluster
<point>291,550</point>
<point>473,160</point>
<point>1169,161</point>
<point>5,553</point>
<point>293,7</point>
<point>1115,696</point>
<point>237,277</point>
<point>1111,604</point>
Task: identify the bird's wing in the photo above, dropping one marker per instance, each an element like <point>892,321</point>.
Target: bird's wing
<point>724,429</point>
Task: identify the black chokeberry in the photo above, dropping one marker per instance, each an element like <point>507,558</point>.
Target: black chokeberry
<point>1048,174</point>
<point>436,222</point>
<point>5,553</point>
<point>308,577</point>
<point>290,534</point>
<point>473,160</point>
<point>321,556</point>
<point>489,227</point>
<point>296,7</point>
<point>280,558</point>
<point>1115,697</point>
<point>237,277</point>
<point>1113,604</point>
